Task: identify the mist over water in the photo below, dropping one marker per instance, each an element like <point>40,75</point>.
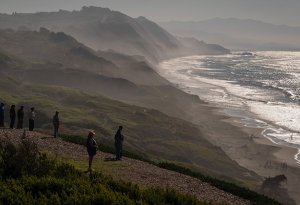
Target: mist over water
<point>261,89</point>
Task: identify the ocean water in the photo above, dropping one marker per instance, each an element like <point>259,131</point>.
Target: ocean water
<point>261,89</point>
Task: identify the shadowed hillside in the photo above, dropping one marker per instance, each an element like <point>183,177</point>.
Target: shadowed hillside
<point>48,50</point>
<point>41,69</point>
<point>101,28</point>
<point>147,131</point>
<point>69,63</point>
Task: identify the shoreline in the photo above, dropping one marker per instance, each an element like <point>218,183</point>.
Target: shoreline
<point>277,154</point>
<point>259,154</point>
<point>233,138</point>
<point>225,93</point>
<point>239,117</point>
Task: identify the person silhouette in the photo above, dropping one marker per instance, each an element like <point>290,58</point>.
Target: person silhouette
<point>119,138</point>
<point>2,115</point>
<point>31,119</point>
<point>12,115</point>
<point>55,121</point>
<point>91,146</point>
<point>20,116</point>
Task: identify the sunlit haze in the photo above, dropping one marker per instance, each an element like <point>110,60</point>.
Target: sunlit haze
<point>272,11</point>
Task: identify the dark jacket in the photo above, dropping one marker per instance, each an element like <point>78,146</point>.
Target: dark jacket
<point>12,113</point>
<point>91,146</point>
<point>119,137</point>
<point>55,121</point>
<point>2,113</point>
<point>20,114</point>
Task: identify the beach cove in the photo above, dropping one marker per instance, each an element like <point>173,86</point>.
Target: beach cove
<point>243,135</point>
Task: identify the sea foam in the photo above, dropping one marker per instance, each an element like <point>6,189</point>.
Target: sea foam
<point>261,90</point>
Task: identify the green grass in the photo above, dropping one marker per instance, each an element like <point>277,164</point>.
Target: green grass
<point>40,180</point>
<point>148,132</point>
<point>229,187</point>
<point>150,135</point>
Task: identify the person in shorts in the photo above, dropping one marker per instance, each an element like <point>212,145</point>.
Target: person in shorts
<point>91,146</point>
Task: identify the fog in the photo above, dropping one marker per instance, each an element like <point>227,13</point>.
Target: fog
<point>101,67</point>
<point>272,11</point>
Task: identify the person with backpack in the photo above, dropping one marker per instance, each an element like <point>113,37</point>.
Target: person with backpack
<point>91,146</point>
<point>119,138</point>
<point>55,121</point>
<point>12,115</point>
<point>20,116</point>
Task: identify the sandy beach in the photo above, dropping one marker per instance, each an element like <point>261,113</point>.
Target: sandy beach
<point>226,121</point>
<point>257,153</point>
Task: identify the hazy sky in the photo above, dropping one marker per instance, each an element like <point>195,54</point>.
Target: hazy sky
<point>273,11</point>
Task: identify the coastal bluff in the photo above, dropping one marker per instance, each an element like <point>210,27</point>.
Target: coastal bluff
<point>135,171</point>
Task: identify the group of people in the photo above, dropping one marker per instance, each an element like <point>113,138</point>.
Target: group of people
<point>92,146</point>
<point>91,142</point>
<point>20,114</point>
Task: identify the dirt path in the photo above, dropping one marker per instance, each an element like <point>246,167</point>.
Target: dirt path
<point>144,174</point>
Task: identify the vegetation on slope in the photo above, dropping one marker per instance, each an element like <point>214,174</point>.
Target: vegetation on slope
<point>148,132</point>
<point>40,180</point>
<point>226,186</point>
<point>56,52</point>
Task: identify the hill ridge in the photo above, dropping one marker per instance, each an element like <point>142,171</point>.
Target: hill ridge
<point>104,29</point>
<point>239,34</point>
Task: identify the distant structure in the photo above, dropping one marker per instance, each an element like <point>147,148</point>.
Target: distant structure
<point>273,182</point>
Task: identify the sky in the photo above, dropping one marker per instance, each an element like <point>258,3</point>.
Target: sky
<point>272,11</point>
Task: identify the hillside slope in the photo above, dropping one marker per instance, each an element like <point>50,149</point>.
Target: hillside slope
<point>47,50</point>
<point>132,170</point>
<point>69,63</point>
<point>101,28</point>
<point>239,33</point>
<point>148,131</point>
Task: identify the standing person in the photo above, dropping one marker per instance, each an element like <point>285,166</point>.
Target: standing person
<point>12,115</point>
<point>31,119</point>
<point>20,115</point>
<point>2,115</point>
<point>119,138</point>
<point>91,146</point>
<point>55,121</point>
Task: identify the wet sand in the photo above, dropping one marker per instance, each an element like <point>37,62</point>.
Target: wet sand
<point>256,153</point>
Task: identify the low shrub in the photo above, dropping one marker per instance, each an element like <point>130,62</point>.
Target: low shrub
<point>23,159</point>
<point>232,188</point>
<point>242,192</point>
<point>29,177</point>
